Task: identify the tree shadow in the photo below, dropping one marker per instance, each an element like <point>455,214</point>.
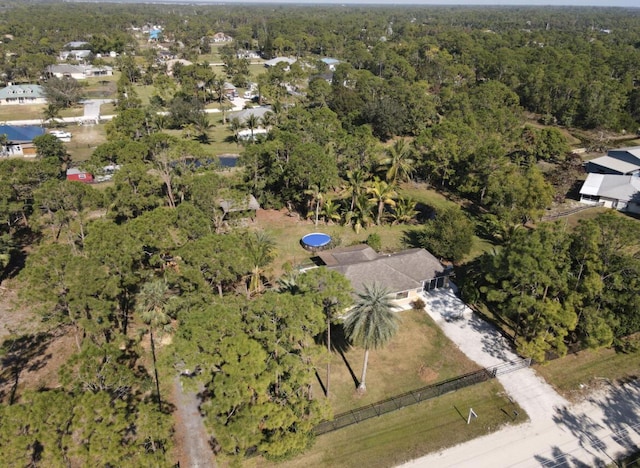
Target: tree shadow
<point>341,344</point>
<point>21,238</point>
<point>27,352</point>
<point>621,407</point>
<point>582,427</point>
<point>559,458</point>
<point>411,238</point>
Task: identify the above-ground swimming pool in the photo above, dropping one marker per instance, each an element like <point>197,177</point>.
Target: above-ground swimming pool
<point>316,241</point>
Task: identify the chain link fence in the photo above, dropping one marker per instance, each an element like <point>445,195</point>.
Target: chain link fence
<point>416,396</point>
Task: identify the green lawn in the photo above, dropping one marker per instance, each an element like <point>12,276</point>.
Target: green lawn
<point>576,374</point>
<point>411,432</point>
<point>26,112</point>
<point>419,355</point>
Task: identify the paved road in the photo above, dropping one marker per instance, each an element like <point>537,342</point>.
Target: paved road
<point>92,113</point>
<point>559,434</point>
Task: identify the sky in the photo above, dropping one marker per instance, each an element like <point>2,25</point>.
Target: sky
<point>602,3</point>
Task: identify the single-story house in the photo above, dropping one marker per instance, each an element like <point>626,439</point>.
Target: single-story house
<point>621,161</point>
<point>247,54</point>
<point>230,90</point>
<point>155,34</point>
<point>22,94</point>
<point>75,54</point>
<point>76,45</point>
<point>248,134</point>
<point>20,140</point>
<point>221,37</point>
<point>79,175</point>
<point>78,72</point>
<point>172,62</point>
<point>244,114</point>
<point>621,192</point>
<point>405,274</point>
<point>275,61</point>
<point>330,62</point>
<point>243,208</point>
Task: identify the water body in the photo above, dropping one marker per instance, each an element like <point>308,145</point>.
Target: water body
<point>228,160</point>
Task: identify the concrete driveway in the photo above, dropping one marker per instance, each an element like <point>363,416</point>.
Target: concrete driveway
<point>558,434</point>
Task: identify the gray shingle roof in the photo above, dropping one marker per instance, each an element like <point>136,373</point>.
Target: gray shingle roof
<point>397,272</point>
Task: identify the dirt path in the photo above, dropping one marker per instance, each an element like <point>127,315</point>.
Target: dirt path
<point>191,436</point>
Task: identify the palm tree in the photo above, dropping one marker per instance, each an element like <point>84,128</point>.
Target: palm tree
<point>398,162</point>
<point>252,123</point>
<point>356,185</point>
<point>201,126</point>
<point>261,250</point>
<point>235,126</point>
<point>151,304</point>
<point>360,216</point>
<point>383,194</point>
<point>51,114</point>
<point>404,211</point>
<point>225,106</point>
<point>316,195</point>
<point>371,323</point>
<point>330,211</point>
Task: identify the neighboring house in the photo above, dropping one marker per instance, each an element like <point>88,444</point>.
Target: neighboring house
<point>155,35</point>
<point>328,77</point>
<point>622,161</point>
<point>244,114</point>
<point>404,274</point>
<point>78,175</point>
<point>221,37</point>
<point>230,90</point>
<point>78,72</point>
<point>172,63</point>
<point>244,208</point>
<point>621,192</point>
<point>330,62</point>
<point>20,140</point>
<point>275,61</point>
<point>22,94</point>
<point>247,54</point>
<point>79,55</point>
<point>76,45</point>
<point>247,134</point>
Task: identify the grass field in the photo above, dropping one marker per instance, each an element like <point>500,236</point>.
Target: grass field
<point>419,355</point>
<point>411,432</point>
<point>576,374</point>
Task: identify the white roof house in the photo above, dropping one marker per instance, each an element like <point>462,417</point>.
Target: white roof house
<point>78,72</point>
<point>621,192</point>
<point>274,61</point>
<point>621,161</point>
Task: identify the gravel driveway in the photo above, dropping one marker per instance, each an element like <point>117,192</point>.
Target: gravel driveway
<point>559,434</point>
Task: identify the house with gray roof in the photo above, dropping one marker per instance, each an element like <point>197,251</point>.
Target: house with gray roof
<point>404,274</point>
<point>244,114</point>
<point>621,161</point>
<point>78,72</point>
<point>275,61</point>
<point>621,192</point>
<point>22,94</point>
<point>79,55</point>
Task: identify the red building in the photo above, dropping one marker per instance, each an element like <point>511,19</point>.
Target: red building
<point>79,175</point>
